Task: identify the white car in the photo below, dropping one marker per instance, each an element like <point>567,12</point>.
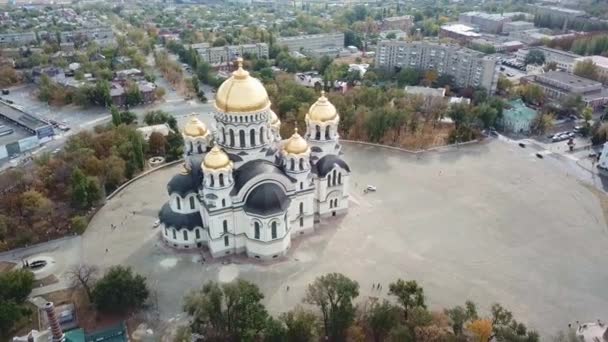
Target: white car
<point>156,223</point>
<point>370,188</point>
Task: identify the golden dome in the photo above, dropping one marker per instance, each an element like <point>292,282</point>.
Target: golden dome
<point>195,128</point>
<point>274,119</point>
<point>216,159</point>
<point>322,110</point>
<point>295,144</point>
<point>241,93</point>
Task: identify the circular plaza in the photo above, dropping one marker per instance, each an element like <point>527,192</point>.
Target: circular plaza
<point>488,222</point>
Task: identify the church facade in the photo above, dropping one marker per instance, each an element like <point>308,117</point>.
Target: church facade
<point>242,188</point>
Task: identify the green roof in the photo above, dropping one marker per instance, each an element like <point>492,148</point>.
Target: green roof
<point>76,335</point>
<point>117,333</point>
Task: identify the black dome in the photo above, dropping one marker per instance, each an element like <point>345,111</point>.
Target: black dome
<point>267,199</point>
<point>177,220</point>
<point>327,163</point>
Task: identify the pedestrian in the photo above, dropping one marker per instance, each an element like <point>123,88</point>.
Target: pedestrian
<point>106,250</point>
<point>287,288</point>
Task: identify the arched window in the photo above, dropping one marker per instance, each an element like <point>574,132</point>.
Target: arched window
<point>293,164</point>
<point>223,203</point>
<point>301,185</point>
<point>198,233</point>
<point>190,146</point>
<point>166,231</point>
<point>200,148</point>
<point>211,180</point>
<point>331,204</point>
<point>262,135</point>
<point>226,241</point>
<point>256,228</point>
<point>336,203</point>
<point>178,203</point>
<point>328,180</point>
<point>185,235</point>
<point>252,137</point>
<point>301,163</point>
<point>340,178</point>
<point>318,133</point>
<point>326,132</point>
<point>334,178</point>
<point>301,207</point>
<point>246,119</point>
<point>301,222</point>
<point>174,234</point>
<point>221,179</point>
<point>273,230</point>
<point>231,138</point>
<point>242,138</point>
<point>225,226</point>
<point>191,202</point>
<point>223,135</point>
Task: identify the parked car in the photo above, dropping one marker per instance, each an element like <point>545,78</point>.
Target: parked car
<point>5,91</point>
<point>370,188</point>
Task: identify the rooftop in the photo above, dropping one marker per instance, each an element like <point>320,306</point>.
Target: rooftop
<point>425,91</point>
<point>461,29</point>
<point>27,120</point>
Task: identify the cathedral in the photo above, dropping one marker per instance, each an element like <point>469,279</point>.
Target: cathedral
<point>242,188</point>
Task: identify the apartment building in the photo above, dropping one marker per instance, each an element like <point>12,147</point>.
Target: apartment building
<point>515,26</point>
<point>403,23</point>
<point>17,39</point>
<point>564,60</point>
<point>486,22</point>
<point>313,41</point>
<point>100,35</point>
<point>224,54</point>
<point>558,85</point>
<point>470,68</point>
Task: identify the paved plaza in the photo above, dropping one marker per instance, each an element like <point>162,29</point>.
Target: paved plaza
<point>489,222</point>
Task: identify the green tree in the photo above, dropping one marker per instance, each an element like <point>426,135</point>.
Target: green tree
<point>409,76</point>
<point>116,119</point>
<point>535,56</point>
<point>138,151</point>
<point>301,325</point>
<point>506,328</point>
<point>460,315</point>
<point>409,295</point>
<point>275,331</point>
<point>15,287</point>
<point>382,317</point>
<point>120,290</point>
<point>232,311</point>
<point>133,95</point>
<point>183,334</point>
<point>334,293</point>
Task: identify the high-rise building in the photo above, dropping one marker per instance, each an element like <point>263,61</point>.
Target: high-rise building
<point>311,42</point>
<point>469,68</point>
<point>227,54</point>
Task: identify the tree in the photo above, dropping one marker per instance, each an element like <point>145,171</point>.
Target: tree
<point>228,311</point>
<point>505,328</point>
<point>400,333</point>
<point>504,85</point>
<point>381,317</point>
<point>183,333</point>
<point>116,119</point>
<point>301,325</point>
<point>138,151</point>
<point>275,331</point>
<point>409,295</point>
<point>15,287</point>
<point>133,95</point>
<point>85,190</point>
<point>587,115</point>
<point>391,35</point>
<point>542,123</point>
<point>532,94</point>
<point>157,144</point>
<point>120,290</point>
<point>127,117</point>
<point>481,328</point>
<point>459,316</point>
<point>587,69</point>
<point>408,76</point>
<point>535,56</point>
<point>334,293</point>
<point>84,276</point>
<point>430,76</point>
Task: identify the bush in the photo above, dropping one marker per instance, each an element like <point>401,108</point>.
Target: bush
<point>120,290</point>
<point>78,224</point>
